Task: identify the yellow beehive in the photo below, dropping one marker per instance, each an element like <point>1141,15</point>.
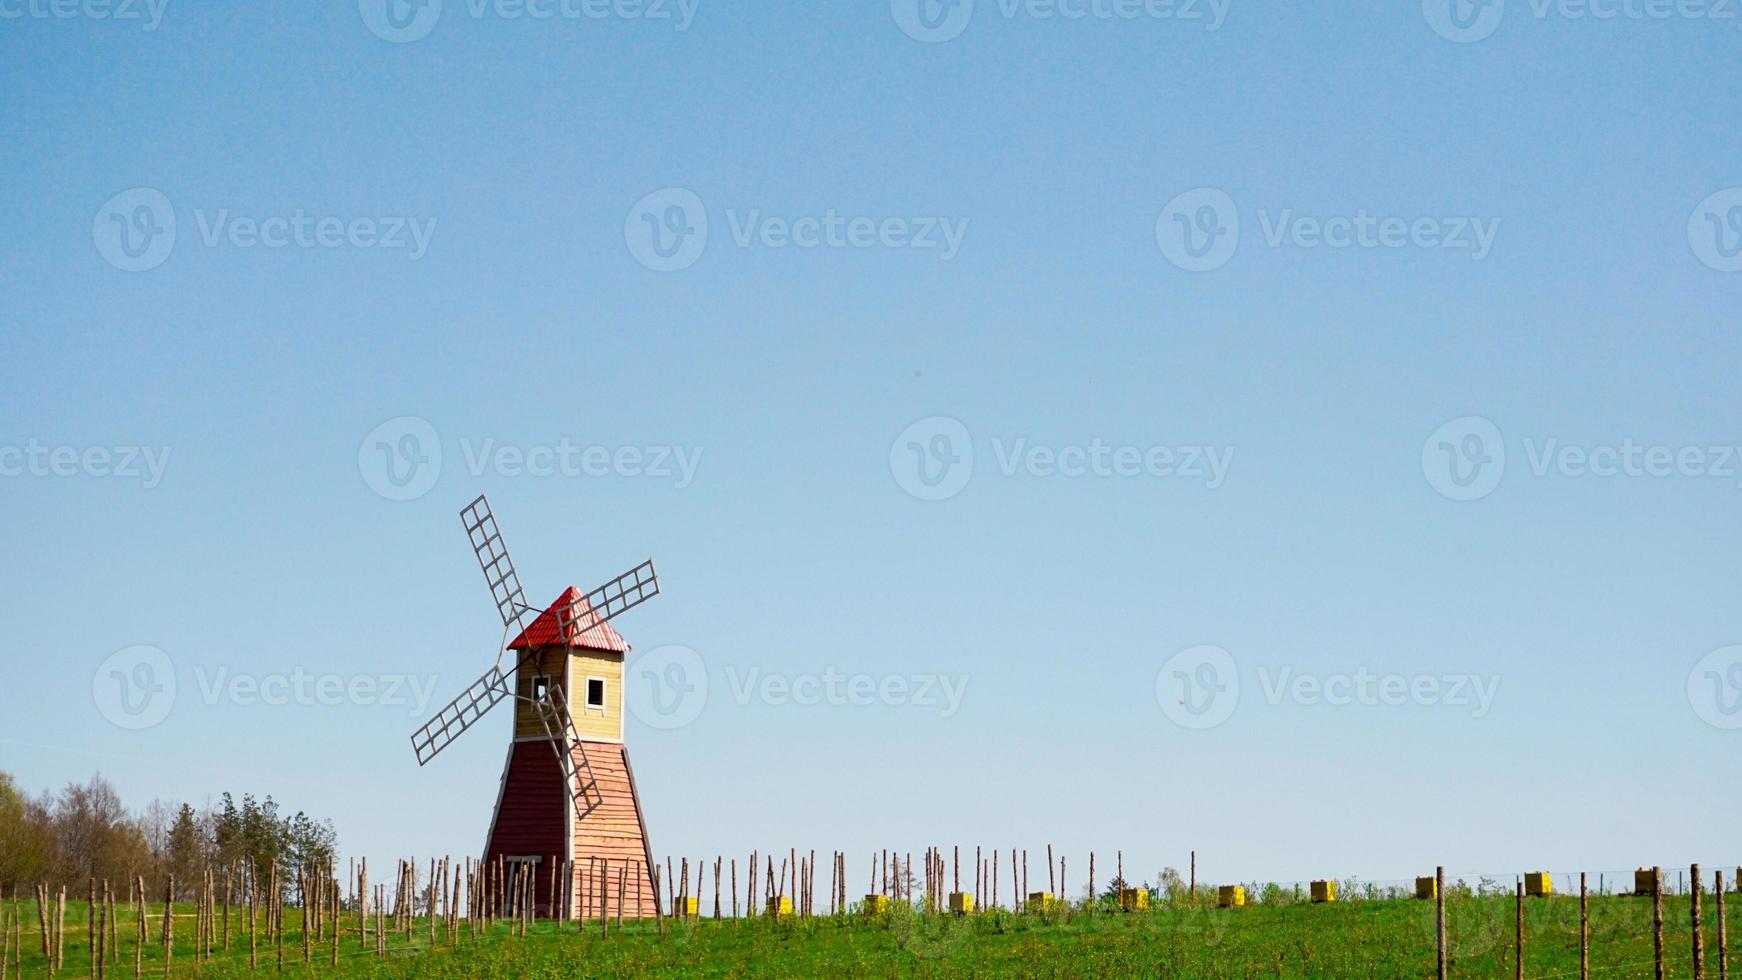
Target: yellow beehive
<point>1324,891</point>
<point>1134,899</point>
<point>1644,881</point>
<point>876,904</point>
<point>780,905</point>
<point>1231,896</point>
<point>961,903</point>
<point>689,907</point>
<point>1428,887</point>
<point>1040,901</point>
<point>1539,884</point>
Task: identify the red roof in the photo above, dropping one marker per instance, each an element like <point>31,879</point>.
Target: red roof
<point>572,611</point>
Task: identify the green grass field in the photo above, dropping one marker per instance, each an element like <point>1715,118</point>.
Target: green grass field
<point>1391,938</point>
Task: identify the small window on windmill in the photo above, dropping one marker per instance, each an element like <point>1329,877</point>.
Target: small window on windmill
<point>541,689</point>
<point>596,693</point>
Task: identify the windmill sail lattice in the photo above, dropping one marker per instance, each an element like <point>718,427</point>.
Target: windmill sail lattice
<point>460,714</point>
<point>559,725</point>
<point>486,538</point>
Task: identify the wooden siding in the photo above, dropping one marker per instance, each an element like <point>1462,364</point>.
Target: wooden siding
<point>530,819</point>
<point>613,832</point>
<point>537,814</point>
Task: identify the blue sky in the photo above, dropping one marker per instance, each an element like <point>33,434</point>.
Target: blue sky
<point>536,157</point>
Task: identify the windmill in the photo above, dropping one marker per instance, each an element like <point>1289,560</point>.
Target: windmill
<point>567,792</point>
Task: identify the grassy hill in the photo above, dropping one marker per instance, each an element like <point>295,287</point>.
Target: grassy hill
<point>1390,938</point>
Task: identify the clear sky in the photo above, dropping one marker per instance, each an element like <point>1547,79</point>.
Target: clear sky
<point>286,264</point>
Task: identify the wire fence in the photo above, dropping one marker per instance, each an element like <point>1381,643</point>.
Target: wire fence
<point>1612,922</point>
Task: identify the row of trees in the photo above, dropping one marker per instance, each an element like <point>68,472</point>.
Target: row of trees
<point>85,832</point>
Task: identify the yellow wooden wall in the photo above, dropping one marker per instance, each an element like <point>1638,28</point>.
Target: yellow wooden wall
<point>606,724</point>
<point>571,668</point>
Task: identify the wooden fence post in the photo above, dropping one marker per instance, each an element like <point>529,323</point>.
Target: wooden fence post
<point>1657,921</point>
<point>1723,935</point>
<point>1518,927</point>
<point>227,872</point>
<point>252,882</point>
<point>303,880</point>
<point>362,906</point>
<point>143,934</point>
<point>168,925</point>
<point>1584,930</point>
<point>100,941</point>
<point>42,917</point>
<point>1091,881</point>
<point>1440,918</point>
<point>1699,925</point>
<point>277,900</point>
<point>333,911</point>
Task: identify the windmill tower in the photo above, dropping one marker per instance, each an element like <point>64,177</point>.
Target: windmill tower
<point>567,791</point>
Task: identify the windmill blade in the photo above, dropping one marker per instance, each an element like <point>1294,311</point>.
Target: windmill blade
<point>609,601</point>
<point>559,727</point>
<point>486,538</point>
<point>460,714</point>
